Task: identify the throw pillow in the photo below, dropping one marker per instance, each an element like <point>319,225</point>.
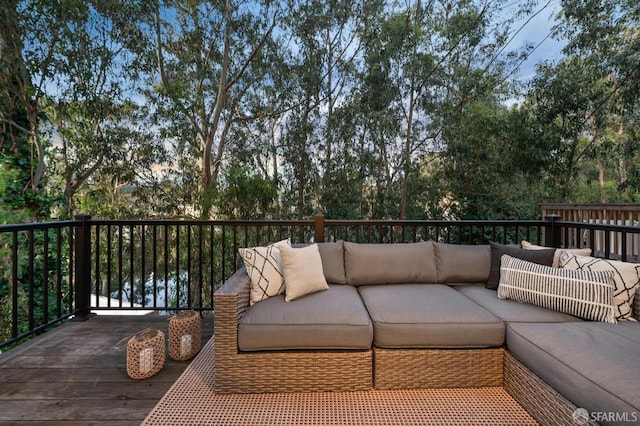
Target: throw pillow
<point>626,277</point>
<point>302,271</point>
<point>264,268</point>
<point>585,294</point>
<point>543,257</point>
<point>556,256</point>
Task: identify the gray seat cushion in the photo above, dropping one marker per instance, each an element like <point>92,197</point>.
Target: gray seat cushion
<point>331,319</point>
<point>594,365</point>
<point>510,310</point>
<point>429,316</point>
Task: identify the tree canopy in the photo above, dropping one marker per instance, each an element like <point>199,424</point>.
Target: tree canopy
<point>283,109</point>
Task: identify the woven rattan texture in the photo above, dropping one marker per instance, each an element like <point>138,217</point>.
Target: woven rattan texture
<point>537,397</point>
<point>185,329</point>
<point>145,354</point>
<point>437,368</point>
<point>191,400</point>
<point>292,371</point>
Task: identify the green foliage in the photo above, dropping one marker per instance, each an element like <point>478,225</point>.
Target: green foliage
<point>492,168</point>
<point>592,97</point>
<point>365,109</point>
<point>245,195</point>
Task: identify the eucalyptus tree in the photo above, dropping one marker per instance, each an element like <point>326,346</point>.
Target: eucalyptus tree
<point>425,62</point>
<point>603,43</point>
<point>79,107</point>
<point>324,48</point>
<point>22,149</point>
<point>207,57</point>
<point>562,98</point>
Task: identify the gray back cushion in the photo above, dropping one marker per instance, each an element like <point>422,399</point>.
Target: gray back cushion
<point>462,264</point>
<point>399,263</point>
<point>332,255</point>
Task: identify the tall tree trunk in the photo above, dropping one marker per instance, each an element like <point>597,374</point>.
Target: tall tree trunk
<point>601,181</point>
<point>407,144</point>
<point>330,101</point>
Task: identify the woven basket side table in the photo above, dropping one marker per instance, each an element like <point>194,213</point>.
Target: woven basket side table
<point>185,331</point>
<point>145,354</point>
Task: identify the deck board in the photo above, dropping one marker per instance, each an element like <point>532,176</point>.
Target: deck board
<point>76,374</point>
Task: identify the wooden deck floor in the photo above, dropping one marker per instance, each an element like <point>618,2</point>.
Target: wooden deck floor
<point>76,374</point>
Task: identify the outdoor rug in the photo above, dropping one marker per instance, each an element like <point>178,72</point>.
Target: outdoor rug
<point>191,401</point>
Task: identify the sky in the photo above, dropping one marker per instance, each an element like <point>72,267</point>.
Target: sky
<point>537,31</point>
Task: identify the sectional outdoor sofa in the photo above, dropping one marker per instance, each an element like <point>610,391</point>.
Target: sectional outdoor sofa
<point>428,315</point>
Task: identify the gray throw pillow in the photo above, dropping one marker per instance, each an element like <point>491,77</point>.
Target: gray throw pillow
<point>542,257</point>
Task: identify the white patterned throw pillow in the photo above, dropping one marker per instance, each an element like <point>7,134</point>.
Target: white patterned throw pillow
<point>626,277</point>
<point>264,267</point>
<point>585,294</point>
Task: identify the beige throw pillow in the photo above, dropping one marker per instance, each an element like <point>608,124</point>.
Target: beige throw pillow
<point>264,267</point>
<point>302,271</point>
<point>556,257</point>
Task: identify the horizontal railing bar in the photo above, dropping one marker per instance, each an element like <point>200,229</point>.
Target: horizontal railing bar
<point>38,226</point>
<point>455,223</point>
<point>600,226</point>
<point>185,222</point>
<point>592,207</point>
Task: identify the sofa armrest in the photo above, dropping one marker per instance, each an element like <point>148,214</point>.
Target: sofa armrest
<point>636,305</point>
<point>230,302</point>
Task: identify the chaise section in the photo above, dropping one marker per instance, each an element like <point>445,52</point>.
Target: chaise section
<point>277,371</point>
<point>332,319</point>
<point>510,310</point>
<point>593,365</point>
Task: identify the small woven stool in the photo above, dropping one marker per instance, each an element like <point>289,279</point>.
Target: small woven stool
<point>145,354</point>
<point>184,335</point>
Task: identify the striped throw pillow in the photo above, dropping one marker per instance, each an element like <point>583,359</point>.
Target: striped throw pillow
<point>584,294</point>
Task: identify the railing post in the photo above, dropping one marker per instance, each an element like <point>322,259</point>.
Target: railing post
<point>319,229</point>
<point>83,268</point>
<point>552,237</point>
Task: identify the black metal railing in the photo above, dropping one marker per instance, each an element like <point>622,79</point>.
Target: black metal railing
<point>51,272</point>
<point>607,241</point>
<point>36,277</point>
<point>174,264</point>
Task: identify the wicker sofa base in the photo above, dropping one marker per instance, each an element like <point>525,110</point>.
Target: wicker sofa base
<point>539,399</point>
<point>294,371</point>
<point>437,368</point>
